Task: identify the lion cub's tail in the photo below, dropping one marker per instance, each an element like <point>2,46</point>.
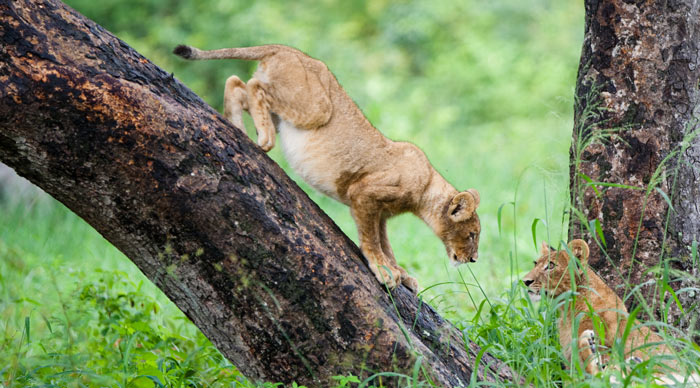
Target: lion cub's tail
<point>255,53</point>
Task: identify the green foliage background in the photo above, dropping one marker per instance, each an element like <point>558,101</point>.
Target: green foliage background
<point>485,88</point>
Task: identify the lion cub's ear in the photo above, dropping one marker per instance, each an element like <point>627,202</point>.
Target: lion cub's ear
<point>580,249</point>
<point>463,205</point>
<point>544,248</point>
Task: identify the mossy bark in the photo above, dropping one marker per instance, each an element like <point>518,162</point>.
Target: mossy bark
<point>205,214</point>
<point>637,95</point>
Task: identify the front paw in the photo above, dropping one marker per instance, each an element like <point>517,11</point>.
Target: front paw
<point>588,341</point>
<point>266,143</point>
<point>388,276</point>
<point>411,283</point>
<point>633,360</point>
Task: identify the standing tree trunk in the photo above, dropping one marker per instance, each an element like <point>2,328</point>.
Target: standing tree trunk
<point>635,123</point>
<point>207,216</point>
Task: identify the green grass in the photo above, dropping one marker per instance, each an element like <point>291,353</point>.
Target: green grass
<point>485,89</point>
<point>90,318</point>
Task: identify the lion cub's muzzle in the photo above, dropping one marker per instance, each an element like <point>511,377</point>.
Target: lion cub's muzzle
<point>457,260</point>
<point>533,291</point>
<point>473,257</point>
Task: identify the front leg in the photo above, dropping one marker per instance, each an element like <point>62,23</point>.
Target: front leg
<point>589,353</point>
<point>409,281</point>
<point>368,232</point>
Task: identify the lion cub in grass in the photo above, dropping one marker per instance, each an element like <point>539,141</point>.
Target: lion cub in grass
<point>329,142</point>
<point>552,274</point>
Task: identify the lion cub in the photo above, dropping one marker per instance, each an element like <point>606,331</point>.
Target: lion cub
<point>552,274</point>
<point>333,147</point>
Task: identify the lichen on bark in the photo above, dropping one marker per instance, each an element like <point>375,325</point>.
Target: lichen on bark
<point>639,63</point>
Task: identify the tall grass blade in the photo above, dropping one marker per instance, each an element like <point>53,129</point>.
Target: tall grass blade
<point>666,198</point>
<point>500,212</point>
<point>26,329</point>
<point>533,228</point>
<point>416,370</point>
<point>595,225</point>
<point>589,181</point>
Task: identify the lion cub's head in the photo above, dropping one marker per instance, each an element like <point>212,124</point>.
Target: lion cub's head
<point>551,272</point>
<point>460,227</point>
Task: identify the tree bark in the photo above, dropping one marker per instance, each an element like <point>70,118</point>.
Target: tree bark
<point>636,112</point>
<point>206,215</point>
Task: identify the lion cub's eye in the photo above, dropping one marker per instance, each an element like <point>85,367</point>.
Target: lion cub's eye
<point>551,265</point>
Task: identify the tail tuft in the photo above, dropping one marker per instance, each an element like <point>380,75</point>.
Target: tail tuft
<point>254,53</point>
<point>184,51</point>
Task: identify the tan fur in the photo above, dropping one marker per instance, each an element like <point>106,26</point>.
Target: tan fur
<point>555,279</point>
<point>329,142</point>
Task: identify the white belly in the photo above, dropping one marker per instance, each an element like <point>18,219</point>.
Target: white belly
<point>308,159</point>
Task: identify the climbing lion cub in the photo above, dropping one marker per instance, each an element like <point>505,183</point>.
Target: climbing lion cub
<point>329,142</point>
<point>552,274</point>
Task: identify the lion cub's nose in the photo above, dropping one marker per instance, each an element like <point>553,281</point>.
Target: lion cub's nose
<point>528,282</point>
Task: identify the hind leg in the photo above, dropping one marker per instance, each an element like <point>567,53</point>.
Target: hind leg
<point>259,108</point>
<point>235,101</point>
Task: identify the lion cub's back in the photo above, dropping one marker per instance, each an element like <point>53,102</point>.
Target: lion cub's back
<point>300,84</point>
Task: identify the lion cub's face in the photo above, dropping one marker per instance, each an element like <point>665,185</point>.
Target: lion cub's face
<point>551,272</point>
<point>461,227</point>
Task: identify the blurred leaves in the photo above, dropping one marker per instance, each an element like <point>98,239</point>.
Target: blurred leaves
<point>109,332</point>
<point>451,63</point>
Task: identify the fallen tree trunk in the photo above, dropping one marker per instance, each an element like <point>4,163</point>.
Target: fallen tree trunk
<point>206,215</point>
